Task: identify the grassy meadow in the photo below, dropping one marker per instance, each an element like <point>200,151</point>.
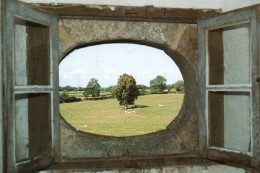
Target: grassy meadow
<point>107,117</point>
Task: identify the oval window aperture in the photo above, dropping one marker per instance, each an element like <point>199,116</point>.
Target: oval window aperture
<point>151,89</point>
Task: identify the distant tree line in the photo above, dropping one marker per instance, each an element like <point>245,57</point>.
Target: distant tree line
<point>157,85</point>
<point>70,88</point>
<point>126,90</point>
<point>108,89</point>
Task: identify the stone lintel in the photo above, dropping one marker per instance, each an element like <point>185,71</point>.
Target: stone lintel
<point>148,13</point>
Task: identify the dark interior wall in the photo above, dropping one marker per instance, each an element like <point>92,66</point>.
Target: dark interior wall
<point>180,42</point>
<point>38,61</point>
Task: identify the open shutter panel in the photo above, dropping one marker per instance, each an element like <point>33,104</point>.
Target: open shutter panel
<point>229,93</point>
<point>32,88</point>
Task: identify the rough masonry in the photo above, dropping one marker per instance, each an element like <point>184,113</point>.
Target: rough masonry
<point>179,41</point>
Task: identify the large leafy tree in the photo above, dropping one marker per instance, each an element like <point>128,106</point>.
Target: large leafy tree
<point>93,88</point>
<point>126,90</point>
<point>158,84</point>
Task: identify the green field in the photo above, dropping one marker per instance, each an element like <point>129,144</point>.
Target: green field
<point>107,117</point>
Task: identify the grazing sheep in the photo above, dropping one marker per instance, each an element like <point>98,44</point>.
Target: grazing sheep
<point>160,105</point>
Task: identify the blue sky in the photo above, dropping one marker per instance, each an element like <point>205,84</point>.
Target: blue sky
<point>106,62</point>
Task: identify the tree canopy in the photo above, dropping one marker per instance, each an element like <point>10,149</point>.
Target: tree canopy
<point>126,90</point>
<point>141,86</point>
<point>158,84</point>
<point>70,88</point>
<point>93,88</point>
<point>169,87</point>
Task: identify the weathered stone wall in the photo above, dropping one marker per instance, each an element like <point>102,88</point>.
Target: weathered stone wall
<point>179,41</point>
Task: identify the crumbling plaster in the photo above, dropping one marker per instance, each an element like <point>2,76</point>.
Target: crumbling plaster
<point>179,41</point>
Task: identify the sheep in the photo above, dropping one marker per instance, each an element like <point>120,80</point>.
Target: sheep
<point>160,105</point>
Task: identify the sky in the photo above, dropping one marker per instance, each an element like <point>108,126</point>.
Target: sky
<point>106,62</point>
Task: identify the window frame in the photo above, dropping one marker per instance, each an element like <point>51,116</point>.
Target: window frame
<point>21,11</point>
<point>204,26</point>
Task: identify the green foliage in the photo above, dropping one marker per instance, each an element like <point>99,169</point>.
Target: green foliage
<point>67,88</point>
<point>143,92</point>
<point>140,86</point>
<point>158,84</point>
<point>179,86</point>
<point>64,94</point>
<point>169,87</point>
<point>80,89</point>
<point>70,88</point>
<point>61,100</point>
<point>71,99</point>
<point>126,90</point>
<point>64,97</point>
<point>93,88</point>
<point>110,88</point>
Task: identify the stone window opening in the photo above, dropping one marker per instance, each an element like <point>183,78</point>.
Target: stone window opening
<point>144,64</point>
<point>111,147</point>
